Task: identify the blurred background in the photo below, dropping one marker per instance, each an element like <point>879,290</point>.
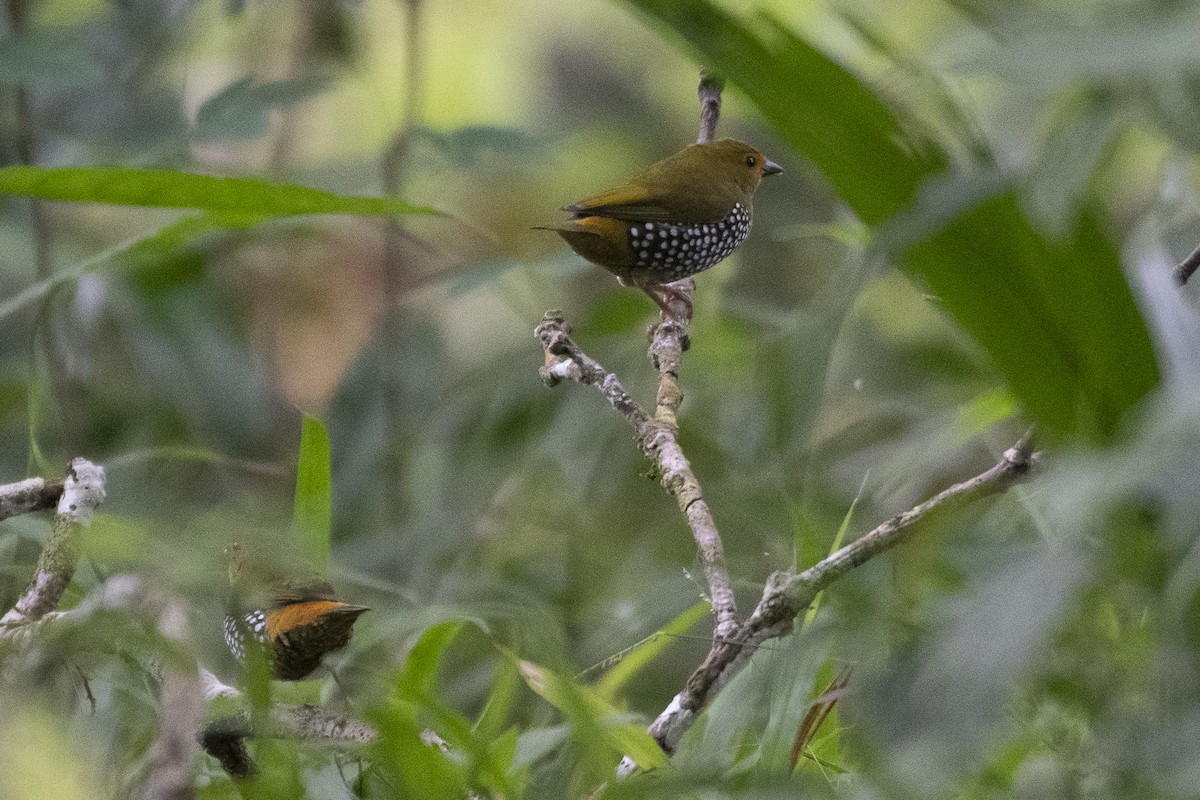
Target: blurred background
<point>1042,644</point>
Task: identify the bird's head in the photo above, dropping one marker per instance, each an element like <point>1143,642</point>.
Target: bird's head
<point>737,162</point>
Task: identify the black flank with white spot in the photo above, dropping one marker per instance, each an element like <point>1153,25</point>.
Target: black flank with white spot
<point>677,251</point>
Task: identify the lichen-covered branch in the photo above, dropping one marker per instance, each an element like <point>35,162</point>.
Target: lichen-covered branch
<point>656,436</point>
<point>225,738</point>
<point>83,490</point>
<point>667,346</point>
<point>788,594</point>
<point>29,495</point>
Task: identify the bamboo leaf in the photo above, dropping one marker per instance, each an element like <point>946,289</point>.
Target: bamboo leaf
<point>156,188</point>
<point>313,506</point>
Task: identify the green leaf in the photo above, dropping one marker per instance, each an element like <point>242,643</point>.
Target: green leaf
<point>644,652</point>
<point>1057,317</point>
<point>633,741</point>
<point>595,720</point>
<point>834,546</point>
<point>983,411</point>
<point>49,58</point>
<point>313,506</point>
<point>416,769</point>
<point>537,743</point>
<point>168,189</point>
<point>500,701</point>
<point>421,769</point>
<point>143,254</point>
<point>1075,146</point>
<point>240,110</point>
<point>417,678</point>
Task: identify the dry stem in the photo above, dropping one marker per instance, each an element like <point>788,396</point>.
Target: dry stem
<point>656,436</point>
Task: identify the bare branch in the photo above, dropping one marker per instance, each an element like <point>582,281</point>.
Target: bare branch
<point>225,739</point>
<point>668,343</point>
<point>304,722</point>
<point>83,490</point>
<point>656,436</point>
<point>788,594</point>
<point>32,494</point>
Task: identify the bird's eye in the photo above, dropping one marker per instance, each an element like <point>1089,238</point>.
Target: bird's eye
<point>751,161</point>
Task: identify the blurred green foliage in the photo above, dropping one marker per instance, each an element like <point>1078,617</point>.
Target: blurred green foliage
<point>974,235</point>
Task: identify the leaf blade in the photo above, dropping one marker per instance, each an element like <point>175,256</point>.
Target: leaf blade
<point>155,188</point>
<point>312,511</point>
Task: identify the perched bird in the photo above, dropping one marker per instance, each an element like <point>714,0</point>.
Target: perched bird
<point>296,617</point>
<point>678,217</point>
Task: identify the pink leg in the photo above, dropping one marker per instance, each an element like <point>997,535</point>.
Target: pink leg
<point>662,295</point>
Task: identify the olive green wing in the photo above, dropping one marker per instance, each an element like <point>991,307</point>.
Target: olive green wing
<point>299,590</point>
<point>631,203</point>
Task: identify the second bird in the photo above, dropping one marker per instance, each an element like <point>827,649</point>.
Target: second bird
<point>294,616</point>
<point>680,216</point>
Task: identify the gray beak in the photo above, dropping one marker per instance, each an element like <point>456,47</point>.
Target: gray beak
<point>771,168</point>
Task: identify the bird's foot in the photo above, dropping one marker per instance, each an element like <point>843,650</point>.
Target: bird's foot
<point>663,295</point>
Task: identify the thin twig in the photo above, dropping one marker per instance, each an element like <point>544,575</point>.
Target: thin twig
<point>395,157</point>
<point>657,438</point>
<point>65,390</point>
<point>29,495</point>
<point>1184,271</point>
<point>26,141</point>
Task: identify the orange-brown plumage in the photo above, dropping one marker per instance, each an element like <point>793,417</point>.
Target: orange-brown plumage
<point>298,624</point>
<point>286,620</point>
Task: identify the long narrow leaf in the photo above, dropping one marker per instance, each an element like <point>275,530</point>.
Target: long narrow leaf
<point>173,233</point>
<point>168,189</point>
<point>312,512</point>
<point>642,654</point>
